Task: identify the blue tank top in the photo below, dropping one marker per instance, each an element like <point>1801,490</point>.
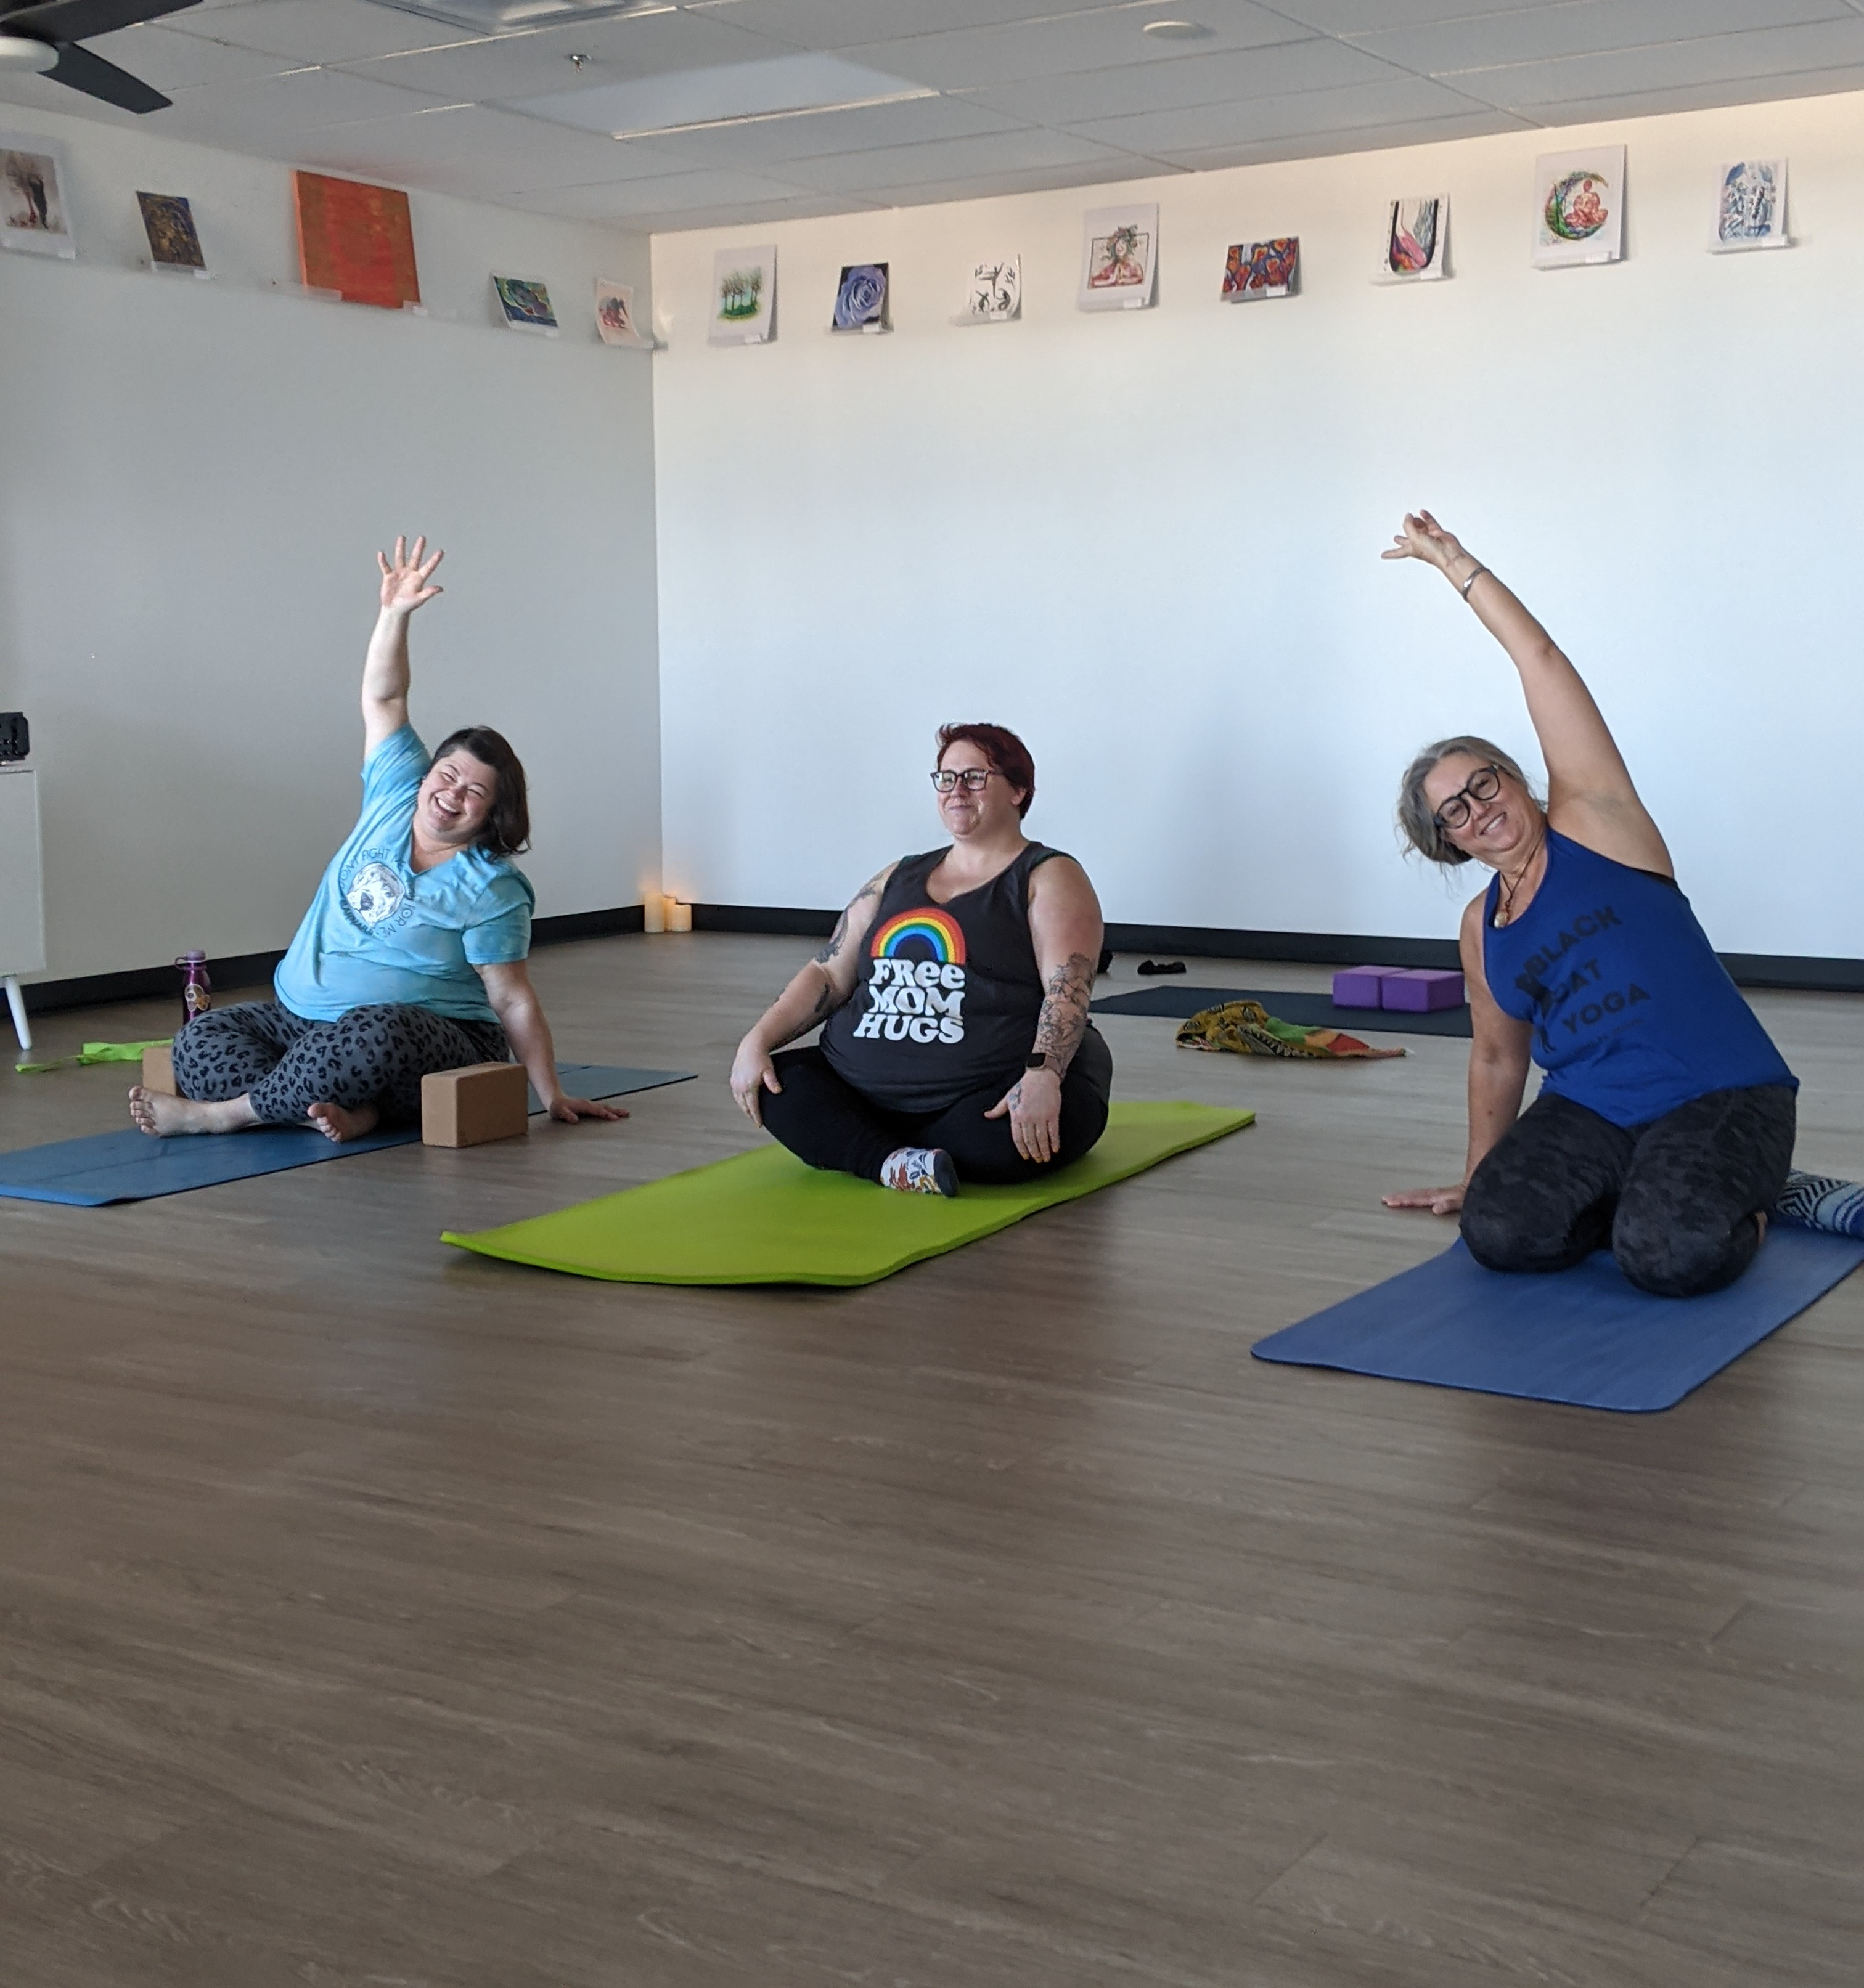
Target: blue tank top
<point>1633,1015</point>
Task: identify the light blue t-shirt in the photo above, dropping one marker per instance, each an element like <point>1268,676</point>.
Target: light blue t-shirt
<point>379,932</point>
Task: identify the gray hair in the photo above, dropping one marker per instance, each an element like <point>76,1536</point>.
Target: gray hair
<point>1417,821</point>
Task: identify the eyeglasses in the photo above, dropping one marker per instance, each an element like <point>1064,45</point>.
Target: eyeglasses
<point>1483,785</point>
<point>973,780</point>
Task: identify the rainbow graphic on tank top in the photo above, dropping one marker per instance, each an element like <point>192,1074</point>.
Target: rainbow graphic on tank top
<point>932,927</point>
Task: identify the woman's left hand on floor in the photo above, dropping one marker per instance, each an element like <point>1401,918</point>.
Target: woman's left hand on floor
<point>1033,1105</point>
<point>567,1110</point>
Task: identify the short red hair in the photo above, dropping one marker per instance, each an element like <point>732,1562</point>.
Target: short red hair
<point>1004,750</point>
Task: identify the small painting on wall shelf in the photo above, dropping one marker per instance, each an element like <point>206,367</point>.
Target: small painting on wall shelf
<point>174,243</point>
<point>614,315</point>
<point>356,241</point>
<point>743,296</point>
<point>1750,205</point>
<point>995,294</point>
<point>526,304</point>
<point>1416,240</point>
<point>1119,258</point>
<point>33,216</point>
<point>1253,269</point>
<point>1579,207</point>
<point>862,298</point>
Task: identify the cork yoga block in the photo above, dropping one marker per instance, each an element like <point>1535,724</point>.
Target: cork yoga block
<point>158,1070</point>
<point>471,1106</point>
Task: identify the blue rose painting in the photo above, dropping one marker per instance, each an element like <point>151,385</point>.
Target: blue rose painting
<point>861,299</point>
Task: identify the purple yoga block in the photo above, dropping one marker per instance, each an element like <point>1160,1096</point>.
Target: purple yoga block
<point>1358,986</point>
<point>1419,990</point>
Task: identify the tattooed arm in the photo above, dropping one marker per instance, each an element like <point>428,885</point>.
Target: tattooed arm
<point>1064,923</point>
<point>815,993</point>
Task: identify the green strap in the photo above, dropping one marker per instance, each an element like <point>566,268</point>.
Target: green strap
<point>96,1053</point>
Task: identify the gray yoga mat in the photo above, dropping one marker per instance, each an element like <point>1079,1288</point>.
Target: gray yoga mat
<point>130,1165</point>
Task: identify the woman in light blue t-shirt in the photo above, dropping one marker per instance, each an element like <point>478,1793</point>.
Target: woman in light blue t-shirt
<point>412,957</point>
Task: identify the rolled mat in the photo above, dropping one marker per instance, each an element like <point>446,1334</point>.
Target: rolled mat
<point>133,1166</point>
<point>1586,1336</point>
<point>1180,1002</point>
<point>765,1218</point>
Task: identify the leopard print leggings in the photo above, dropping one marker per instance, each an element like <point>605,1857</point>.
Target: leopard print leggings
<point>373,1056</point>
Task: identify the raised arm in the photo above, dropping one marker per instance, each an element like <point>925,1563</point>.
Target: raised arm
<point>405,587</point>
<point>1497,1074</point>
<point>1065,927</point>
<point>811,997</point>
<point>1590,794</point>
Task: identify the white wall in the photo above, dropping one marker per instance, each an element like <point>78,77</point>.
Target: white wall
<point>194,479</point>
<point>1149,541</point>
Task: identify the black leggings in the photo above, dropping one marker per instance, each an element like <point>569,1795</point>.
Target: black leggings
<point>826,1121</point>
<point>372,1056</point>
<point>1675,1200</point>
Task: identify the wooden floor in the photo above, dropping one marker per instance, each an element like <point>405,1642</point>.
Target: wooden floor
<point>371,1613</point>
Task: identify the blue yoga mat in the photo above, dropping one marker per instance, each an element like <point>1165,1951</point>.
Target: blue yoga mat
<point>131,1166</point>
<point>1586,1336</point>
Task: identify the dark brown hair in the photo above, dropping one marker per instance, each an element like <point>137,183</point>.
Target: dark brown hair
<point>1004,750</point>
<point>508,826</point>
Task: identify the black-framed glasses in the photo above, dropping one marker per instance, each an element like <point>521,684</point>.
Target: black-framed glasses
<point>1483,785</point>
<point>973,780</point>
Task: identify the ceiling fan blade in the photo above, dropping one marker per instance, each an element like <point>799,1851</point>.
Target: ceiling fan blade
<point>82,70</point>
<point>78,20</point>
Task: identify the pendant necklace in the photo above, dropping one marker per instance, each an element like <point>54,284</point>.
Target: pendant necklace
<point>1509,886</point>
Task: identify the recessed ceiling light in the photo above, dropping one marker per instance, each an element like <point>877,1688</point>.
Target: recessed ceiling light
<point>506,17</point>
<point>1176,31</point>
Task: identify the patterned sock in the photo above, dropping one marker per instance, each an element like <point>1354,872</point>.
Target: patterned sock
<point>920,1170</point>
<point>1815,1201</point>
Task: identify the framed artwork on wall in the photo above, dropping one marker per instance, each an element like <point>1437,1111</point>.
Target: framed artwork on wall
<point>525,304</point>
<point>1417,246</point>
<point>743,296</point>
<point>174,243</point>
<point>356,240</point>
<point>1750,205</point>
<point>34,217</point>
<point>1119,256</point>
<point>862,297</point>
<point>1579,207</point>
<point>1253,270</point>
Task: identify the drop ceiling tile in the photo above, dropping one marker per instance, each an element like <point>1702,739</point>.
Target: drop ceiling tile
<point>974,58</point>
<point>261,115</point>
<point>629,202</point>
<point>840,24</point>
<point>1231,76</point>
<point>1588,26</point>
<point>1480,123</point>
<point>317,30</point>
<point>1366,17</point>
<point>770,142</point>
<point>958,159</point>
<point>994,186</point>
<point>1753,58</point>
<point>169,61</point>
<point>515,66</point>
<point>1711,96</point>
<point>777,85</point>
<point>1172,133</point>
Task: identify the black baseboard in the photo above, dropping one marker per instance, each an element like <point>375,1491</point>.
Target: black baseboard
<point>764,919</point>
<point>255,969</point>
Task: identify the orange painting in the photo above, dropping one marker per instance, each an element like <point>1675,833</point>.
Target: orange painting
<point>356,240</point>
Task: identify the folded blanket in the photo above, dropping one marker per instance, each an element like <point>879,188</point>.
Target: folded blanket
<point>1815,1201</point>
<point>1246,1028</point>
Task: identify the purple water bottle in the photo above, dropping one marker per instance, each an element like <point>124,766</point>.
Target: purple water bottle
<point>197,990</point>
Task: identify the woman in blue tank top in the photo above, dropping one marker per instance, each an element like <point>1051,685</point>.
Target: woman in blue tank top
<point>1664,1127</point>
<point>955,991</point>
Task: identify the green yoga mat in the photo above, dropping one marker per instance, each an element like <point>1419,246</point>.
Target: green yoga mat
<point>764,1218</point>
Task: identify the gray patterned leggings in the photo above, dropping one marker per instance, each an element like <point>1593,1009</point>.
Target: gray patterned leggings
<point>373,1056</point>
<point>1674,1201</point>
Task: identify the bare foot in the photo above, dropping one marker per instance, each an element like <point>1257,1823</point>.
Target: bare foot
<point>165,1118</point>
<point>338,1123</point>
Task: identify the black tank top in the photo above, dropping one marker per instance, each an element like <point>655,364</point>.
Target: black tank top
<point>949,994</point>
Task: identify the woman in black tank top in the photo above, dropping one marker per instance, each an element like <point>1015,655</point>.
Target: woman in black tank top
<point>955,991</point>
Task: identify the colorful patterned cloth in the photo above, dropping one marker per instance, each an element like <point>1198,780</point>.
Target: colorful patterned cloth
<point>1246,1028</point>
<point>1815,1201</point>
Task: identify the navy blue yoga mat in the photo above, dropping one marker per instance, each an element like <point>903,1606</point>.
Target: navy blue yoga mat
<point>1179,1001</point>
<point>1587,1336</point>
<point>131,1166</point>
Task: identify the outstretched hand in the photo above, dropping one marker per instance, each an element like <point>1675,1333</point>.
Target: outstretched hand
<point>1439,1200</point>
<point>1424,538</point>
<point>567,1110</point>
<point>406,578</point>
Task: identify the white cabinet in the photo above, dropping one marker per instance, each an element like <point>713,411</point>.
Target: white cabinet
<point>22,895</point>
